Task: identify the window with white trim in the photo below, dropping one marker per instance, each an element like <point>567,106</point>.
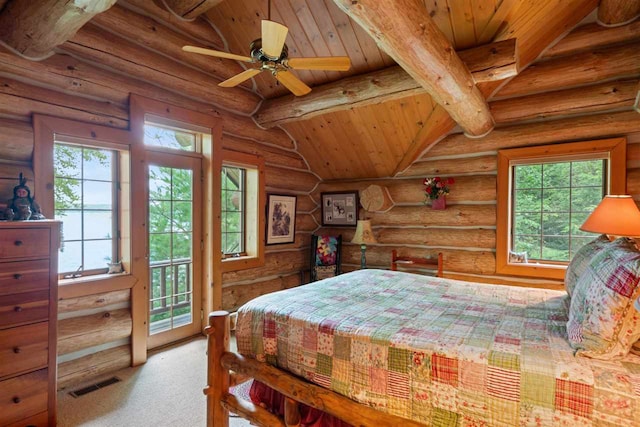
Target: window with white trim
<point>545,193</point>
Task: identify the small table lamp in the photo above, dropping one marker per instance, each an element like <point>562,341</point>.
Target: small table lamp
<point>615,215</point>
<point>363,235</point>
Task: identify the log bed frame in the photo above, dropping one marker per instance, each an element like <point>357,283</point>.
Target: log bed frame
<point>220,401</point>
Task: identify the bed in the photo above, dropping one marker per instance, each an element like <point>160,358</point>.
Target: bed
<point>379,347</point>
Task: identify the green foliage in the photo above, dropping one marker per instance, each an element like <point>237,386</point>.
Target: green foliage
<point>551,201</point>
<point>232,210</point>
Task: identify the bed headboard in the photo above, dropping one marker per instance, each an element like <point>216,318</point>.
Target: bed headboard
<point>414,262</point>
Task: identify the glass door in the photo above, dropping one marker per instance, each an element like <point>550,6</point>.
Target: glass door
<point>174,244</point>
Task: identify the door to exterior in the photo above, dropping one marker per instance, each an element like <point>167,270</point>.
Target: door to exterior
<point>174,242</point>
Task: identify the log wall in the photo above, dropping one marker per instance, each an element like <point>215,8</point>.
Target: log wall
<point>534,108</point>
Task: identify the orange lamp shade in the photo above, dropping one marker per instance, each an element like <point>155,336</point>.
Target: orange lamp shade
<point>615,215</point>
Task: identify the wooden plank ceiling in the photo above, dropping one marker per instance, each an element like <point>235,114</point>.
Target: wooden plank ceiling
<point>375,140</point>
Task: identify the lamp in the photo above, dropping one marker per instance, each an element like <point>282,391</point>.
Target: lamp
<point>615,215</point>
<point>363,235</point>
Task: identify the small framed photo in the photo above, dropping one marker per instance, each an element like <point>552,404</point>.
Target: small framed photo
<point>340,209</point>
<point>281,219</point>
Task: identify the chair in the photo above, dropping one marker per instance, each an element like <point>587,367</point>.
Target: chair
<point>325,256</point>
<point>431,263</point>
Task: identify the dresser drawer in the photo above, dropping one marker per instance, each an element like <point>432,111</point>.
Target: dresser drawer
<point>24,348</point>
<point>40,420</point>
<point>29,307</point>
<point>23,396</point>
<point>18,243</point>
<point>24,276</point>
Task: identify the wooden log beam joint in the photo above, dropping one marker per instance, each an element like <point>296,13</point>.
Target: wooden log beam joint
<point>406,32</point>
<point>34,28</point>
<point>494,61</point>
<point>614,13</point>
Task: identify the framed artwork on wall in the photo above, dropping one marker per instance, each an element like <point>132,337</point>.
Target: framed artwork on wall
<point>340,209</point>
<point>281,219</point>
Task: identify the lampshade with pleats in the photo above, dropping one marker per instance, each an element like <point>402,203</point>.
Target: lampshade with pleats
<point>616,216</point>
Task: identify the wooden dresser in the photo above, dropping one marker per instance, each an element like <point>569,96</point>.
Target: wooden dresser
<point>28,319</point>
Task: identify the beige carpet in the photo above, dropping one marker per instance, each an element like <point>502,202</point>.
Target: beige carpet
<point>165,391</point>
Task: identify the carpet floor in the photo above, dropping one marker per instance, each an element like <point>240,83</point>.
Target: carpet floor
<point>165,391</point>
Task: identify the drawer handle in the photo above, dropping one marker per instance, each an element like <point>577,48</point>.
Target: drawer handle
<point>17,400</point>
<point>16,350</point>
<point>17,309</point>
<point>18,243</point>
<point>17,276</point>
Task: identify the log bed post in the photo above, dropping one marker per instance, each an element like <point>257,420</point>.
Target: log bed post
<point>217,376</point>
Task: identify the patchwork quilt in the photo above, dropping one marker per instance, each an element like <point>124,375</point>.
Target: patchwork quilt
<point>441,352</point>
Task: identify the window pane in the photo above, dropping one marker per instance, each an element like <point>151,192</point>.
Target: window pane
<point>160,136</point>
<point>556,200</point>
<point>71,224</point>
<point>181,246</point>
<point>182,179</point>
<point>232,243</point>
<point>70,257</point>
<point>528,176</point>
<point>97,253</point>
<point>555,224</point>
<point>586,199</point>
<point>97,195</point>
<point>182,216</point>
<point>589,173</point>
<point>68,193</point>
<point>67,161</point>
<point>97,164</point>
<point>529,244</point>
<point>555,248</point>
<point>528,223</point>
<point>556,175</point>
<point>159,183</point>
<point>97,224</point>
<point>233,223</point>
<point>528,200</point>
<point>159,216</point>
<point>161,244</point>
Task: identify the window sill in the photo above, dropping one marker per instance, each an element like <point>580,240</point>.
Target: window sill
<point>95,284</point>
<point>241,263</point>
<point>531,269</point>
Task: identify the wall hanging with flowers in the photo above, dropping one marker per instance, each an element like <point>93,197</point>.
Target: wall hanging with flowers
<point>436,190</point>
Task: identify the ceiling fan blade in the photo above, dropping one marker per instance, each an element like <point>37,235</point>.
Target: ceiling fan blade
<point>291,82</point>
<point>330,63</point>
<point>273,37</point>
<point>239,78</point>
<point>216,53</point>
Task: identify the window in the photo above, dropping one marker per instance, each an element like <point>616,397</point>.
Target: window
<point>234,195</point>
<point>85,192</point>
<point>243,201</point>
<point>544,196</point>
<point>171,137</point>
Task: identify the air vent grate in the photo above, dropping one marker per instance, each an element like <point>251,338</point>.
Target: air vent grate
<point>94,387</point>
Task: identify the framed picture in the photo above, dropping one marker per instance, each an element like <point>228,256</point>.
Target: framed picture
<point>281,219</point>
<point>340,209</point>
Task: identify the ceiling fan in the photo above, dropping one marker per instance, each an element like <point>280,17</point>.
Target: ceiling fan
<point>271,53</point>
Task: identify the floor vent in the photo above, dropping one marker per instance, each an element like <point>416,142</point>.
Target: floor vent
<point>94,387</point>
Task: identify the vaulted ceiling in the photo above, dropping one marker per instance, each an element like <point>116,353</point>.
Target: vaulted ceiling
<point>371,121</point>
<point>382,137</point>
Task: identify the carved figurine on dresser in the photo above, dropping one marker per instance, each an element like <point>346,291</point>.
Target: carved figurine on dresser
<point>22,206</point>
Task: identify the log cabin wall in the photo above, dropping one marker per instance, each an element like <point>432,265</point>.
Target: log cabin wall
<point>585,87</point>
<point>92,84</point>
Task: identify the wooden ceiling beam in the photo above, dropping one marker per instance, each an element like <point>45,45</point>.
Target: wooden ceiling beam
<point>404,30</point>
<point>613,13</point>
<point>593,36</point>
<point>190,9</point>
<point>494,61</point>
<point>34,28</point>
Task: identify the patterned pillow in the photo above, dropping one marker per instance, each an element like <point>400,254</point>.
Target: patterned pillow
<point>581,260</point>
<point>603,323</point>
